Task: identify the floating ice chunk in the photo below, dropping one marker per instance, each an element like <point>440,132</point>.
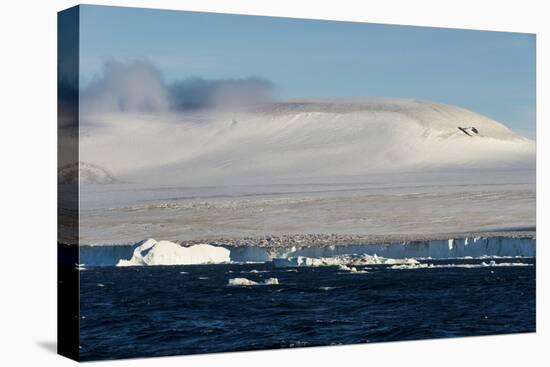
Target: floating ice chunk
<point>410,266</point>
<point>247,282</point>
<point>152,252</point>
<point>351,269</point>
<point>254,271</point>
<point>344,262</point>
<point>241,282</point>
<point>400,261</point>
<point>271,281</point>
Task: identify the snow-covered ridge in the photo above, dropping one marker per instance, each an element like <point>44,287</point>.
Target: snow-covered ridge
<point>151,252</point>
<point>431,115</point>
<point>296,140</point>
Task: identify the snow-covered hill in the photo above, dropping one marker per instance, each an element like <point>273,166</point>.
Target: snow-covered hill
<point>299,141</point>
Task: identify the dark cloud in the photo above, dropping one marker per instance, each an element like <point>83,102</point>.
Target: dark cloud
<point>196,93</point>
<point>138,86</point>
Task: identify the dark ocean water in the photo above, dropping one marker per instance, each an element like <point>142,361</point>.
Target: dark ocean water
<point>171,310</point>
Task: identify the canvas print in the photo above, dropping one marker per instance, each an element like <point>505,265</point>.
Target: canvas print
<point>234,183</point>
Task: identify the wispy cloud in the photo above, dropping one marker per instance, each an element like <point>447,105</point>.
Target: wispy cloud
<point>138,86</point>
<point>135,86</point>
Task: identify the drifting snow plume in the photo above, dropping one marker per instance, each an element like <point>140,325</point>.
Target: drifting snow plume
<point>198,93</point>
<point>138,87</point>
<point>126,87</point>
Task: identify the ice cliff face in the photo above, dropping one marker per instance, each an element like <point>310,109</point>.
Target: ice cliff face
<point>437,249</point>
<point>151,252</point>
<point>297,140</point>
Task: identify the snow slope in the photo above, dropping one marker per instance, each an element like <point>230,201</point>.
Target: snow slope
<point>298,141</point>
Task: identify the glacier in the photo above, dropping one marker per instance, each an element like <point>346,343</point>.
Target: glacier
<point>151,252</point>
<point>369,166</point>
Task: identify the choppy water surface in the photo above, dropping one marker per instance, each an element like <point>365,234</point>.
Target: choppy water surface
<point>169,310</point>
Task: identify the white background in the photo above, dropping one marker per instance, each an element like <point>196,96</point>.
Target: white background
<point>28,182</point>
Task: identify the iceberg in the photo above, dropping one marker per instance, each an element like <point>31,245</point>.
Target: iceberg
<point>152,252</point>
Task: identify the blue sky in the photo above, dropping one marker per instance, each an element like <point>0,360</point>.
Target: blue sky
<point>492,73</point>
